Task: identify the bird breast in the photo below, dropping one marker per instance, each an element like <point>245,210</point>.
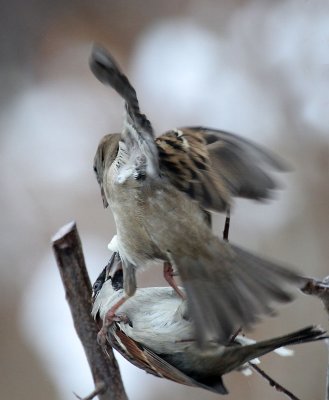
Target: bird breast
<point>156,316</point>
<point>153,218</point>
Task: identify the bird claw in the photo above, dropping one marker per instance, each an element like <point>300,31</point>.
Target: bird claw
<point>122,318</point>
<point>109,319</point>
<point>102,337</point>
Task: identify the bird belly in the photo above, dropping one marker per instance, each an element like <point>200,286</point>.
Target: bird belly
<point>152,221</point>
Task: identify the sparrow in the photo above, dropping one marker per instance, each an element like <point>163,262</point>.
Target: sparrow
<point>161,191</point>
<point>156,334</point>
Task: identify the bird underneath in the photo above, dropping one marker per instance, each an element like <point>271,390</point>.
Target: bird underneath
<point>155,333</point>
<point>161,192</point>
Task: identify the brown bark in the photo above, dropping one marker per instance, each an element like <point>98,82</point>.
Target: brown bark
<point>70,260</point>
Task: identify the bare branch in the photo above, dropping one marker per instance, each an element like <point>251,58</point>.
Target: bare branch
<point>273,383</point>
<point>70,260</point>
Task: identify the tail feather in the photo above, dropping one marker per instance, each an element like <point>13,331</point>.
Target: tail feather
<point>236,356</point>
<point>230,288</point>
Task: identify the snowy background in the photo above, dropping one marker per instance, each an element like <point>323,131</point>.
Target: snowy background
<point>256,68</point>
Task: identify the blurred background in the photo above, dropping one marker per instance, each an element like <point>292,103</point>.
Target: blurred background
<point>257,68</point>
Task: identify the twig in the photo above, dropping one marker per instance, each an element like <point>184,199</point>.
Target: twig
<point>69,256</point>
<point>98,390</point>
<point>273,383</point>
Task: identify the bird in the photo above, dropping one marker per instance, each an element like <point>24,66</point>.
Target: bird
<point>154,332</point>
<point>161,191</point>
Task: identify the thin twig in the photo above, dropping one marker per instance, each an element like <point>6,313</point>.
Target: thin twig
<point>273,383</point>
<point>69,256</point>
<point>98,390</point>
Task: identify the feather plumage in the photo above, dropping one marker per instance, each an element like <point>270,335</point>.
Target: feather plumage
<point>160,191</point>
<point>159,337</point>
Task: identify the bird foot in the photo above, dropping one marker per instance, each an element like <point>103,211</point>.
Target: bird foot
<point>109,318</point>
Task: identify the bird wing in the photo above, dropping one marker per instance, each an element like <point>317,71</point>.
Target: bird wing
<point>228,288</point>
<point>139,145</point>
<point>207,164</point>
<point>211,166</point>
<point>184,161</point>
<point>144,358</point>
<point>244,166</point>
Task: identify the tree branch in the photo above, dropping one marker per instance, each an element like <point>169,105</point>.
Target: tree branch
<point>71,264</point>
<point>273,383</point>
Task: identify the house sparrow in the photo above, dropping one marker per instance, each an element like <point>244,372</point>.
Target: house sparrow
<point>160,191</point>
<point>156,335</point>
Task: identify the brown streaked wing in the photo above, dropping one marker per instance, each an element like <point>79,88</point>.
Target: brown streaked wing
<point>242,165</point>
<point>146,359</point>
<point>184,160</point>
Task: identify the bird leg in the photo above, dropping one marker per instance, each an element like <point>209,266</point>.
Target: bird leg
<point>111,317</point>
<point>114,267</point>
<point>227,225</point>
<point>168,273</point>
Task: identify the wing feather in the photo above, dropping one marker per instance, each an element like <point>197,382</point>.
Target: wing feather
<point>212,166</point>
<point>144,358</point>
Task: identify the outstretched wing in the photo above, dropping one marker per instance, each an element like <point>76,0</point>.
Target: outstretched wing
<point>211,166</point>
<point>139,145</point>
<point>207,164</point>
<point>184,161</point>
<point>244,166</point>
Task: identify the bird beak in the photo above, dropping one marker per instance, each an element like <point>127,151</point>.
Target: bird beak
<point>105,203</point>
<point>113,266</point>
<point>98,284</point>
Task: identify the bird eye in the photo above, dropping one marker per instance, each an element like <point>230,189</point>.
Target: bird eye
<point>97,286</point>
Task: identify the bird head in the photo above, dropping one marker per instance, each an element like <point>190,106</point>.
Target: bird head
<point>113,271</point>
<point>106,153</point>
